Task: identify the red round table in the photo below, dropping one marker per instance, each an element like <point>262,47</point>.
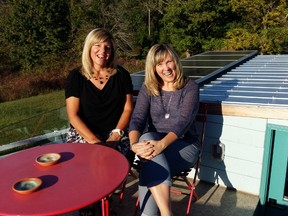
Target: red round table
<point>84,175</point>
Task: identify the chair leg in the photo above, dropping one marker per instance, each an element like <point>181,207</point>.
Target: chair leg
<point>122,190</point>
<point>137,206</point>
<point>133,174</point>
<point>190,200</point>
<point>105,206</point>
<point>121,195</point>
<point>192,193</point>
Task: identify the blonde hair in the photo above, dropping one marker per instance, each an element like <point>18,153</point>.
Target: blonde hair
<point>98,35</point>
<point>157,54</point>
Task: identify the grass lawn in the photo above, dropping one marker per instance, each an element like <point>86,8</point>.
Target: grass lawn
<point>15,111</point>
<point>33,116</point>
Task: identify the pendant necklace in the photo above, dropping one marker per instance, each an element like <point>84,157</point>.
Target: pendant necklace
<point>101,79</point>
<point>167,114</point>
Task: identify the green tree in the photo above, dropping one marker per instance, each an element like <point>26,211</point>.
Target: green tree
<point>265,25</point>
<point>6,64</point>
<point>135,25</point>
<point>34,29</point>
<point>111,14</point>
<point>191,25</point>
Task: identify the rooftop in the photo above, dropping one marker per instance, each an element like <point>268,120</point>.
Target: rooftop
<point>261,81</point>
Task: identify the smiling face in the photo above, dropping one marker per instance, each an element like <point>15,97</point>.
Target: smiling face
<point>166,70</point>
<point>100,53</point>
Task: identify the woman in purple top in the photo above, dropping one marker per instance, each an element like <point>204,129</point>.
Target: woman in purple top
<point>162,129</point>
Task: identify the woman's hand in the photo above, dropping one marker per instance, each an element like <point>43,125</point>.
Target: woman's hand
<point>113,140</point>
<point>114,137</point>
<point>158,147</point>
<point>95,142</point>
<point>143,149</point>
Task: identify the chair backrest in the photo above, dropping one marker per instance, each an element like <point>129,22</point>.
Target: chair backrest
<point>201,117</point>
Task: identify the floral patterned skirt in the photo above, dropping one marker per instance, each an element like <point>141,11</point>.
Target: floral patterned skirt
<point>123,146</point>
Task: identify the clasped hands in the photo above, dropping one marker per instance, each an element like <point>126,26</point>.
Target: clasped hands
<point>147,149</point>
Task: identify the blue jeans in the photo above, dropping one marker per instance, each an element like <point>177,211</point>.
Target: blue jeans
<point>177,157</point>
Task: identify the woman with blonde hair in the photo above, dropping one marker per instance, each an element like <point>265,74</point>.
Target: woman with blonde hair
<point>98,95</point>
<point>167,106</point>
<point>99,99</point>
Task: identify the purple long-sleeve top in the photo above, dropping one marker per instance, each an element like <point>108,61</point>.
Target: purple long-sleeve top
<point>181,106</point>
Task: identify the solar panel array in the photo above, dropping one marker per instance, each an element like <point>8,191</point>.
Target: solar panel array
<point>263,80</point>
<point>198,66</point>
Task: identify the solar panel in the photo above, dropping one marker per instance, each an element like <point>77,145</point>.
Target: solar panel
<point>262,80</point>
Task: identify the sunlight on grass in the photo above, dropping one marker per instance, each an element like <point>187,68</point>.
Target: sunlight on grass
<point>26,118</point>
<point>19,110</point>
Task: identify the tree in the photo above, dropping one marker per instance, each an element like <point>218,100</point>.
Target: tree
<point>38,32</point>
<point>136,25</point>
<point>35,29</point>
<point>190,25</point>
<point>264,21</point>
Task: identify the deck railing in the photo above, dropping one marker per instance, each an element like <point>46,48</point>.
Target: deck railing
<point>43,128</point>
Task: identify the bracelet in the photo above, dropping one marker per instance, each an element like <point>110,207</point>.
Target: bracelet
<point>119,131</point>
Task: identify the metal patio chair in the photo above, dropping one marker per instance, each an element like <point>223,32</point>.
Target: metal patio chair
<point>183,176</point>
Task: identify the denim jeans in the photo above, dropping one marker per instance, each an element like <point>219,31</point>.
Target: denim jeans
<point>177,157</point>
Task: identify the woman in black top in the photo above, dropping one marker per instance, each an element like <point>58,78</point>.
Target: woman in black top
<point>99,97</point>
